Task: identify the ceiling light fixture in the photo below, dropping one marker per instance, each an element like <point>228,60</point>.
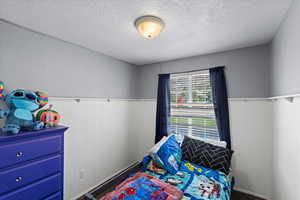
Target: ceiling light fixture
<point>149,26</point>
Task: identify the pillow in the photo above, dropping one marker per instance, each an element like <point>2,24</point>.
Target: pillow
<point>210,141</point>
<point>207,155</point>
<point>180,138</point>
<point>167,154</point>
<point>157,146</point>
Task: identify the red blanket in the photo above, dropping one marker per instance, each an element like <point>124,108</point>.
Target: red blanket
<point>136,188</point>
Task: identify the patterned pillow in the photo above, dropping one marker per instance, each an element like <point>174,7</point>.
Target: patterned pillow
<point>168,154</point>
<point>206,155</point>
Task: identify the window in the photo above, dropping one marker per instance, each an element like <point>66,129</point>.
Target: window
<point>192,111</point>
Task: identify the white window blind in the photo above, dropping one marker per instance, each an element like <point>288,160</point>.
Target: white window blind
<point>192,111</point>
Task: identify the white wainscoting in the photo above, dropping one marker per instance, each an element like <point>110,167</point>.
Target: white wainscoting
<point>286,159</point>
<point>251,133</point>
<point>98,143</point>
<point>251,129</point>
<point>143,128</point>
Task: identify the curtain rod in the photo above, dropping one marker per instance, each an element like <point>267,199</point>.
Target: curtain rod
<point>195,70</point>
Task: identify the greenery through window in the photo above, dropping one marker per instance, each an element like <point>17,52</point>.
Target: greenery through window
<point>192,111</point>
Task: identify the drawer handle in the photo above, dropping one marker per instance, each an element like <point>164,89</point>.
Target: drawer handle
<point>19,154</point>
<point>18,179</point>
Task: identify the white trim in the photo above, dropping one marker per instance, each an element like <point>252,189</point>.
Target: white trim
<point>252,193</point>
<point>285,96</point>
<point>109,99</point>
<point>101,99</point>
<point>133,164</point>
<point>248,99</point>
<point>289,98</point>
<point>150,99</point>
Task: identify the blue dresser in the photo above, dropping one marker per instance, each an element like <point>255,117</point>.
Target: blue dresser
<point>32,165</point>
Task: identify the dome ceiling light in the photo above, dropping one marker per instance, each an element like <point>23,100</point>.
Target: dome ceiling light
<point>149,26</point>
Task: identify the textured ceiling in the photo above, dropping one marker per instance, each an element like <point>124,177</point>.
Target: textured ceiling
<point>193,27</point>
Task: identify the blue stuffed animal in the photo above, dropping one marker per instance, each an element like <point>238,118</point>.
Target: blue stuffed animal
<point>21,104</point>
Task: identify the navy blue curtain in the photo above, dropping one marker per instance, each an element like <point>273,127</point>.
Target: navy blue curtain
<point>220,101</point>
<point>163,107</point>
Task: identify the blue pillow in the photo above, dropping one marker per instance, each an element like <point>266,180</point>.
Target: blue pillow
<point>168,155</point>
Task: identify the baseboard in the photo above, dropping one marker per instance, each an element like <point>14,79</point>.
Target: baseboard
<point>251,193</point>
<point>119,174</point>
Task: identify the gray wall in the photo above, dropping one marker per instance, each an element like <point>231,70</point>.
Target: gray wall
<point>33,61</point>
<point>247,71</point>
<point>285,55</point>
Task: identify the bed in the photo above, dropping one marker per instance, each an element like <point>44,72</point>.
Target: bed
<point>158,182</point>
<point>196,182</point>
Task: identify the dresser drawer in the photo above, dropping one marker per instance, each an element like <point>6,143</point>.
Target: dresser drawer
<point>18,177</point>
<point>56,196</point>
<point>36,191</point>
<point>11,154</point>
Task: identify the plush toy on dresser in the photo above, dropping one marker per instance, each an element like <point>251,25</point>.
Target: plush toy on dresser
<point>21,104</point>
<point>49,116</point>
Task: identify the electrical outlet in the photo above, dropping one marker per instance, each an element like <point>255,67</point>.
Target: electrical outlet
<point>81,174</point>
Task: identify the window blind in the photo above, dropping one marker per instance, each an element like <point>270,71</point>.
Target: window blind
<point>192,111</point>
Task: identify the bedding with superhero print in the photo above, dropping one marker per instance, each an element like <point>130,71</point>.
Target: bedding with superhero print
<point>143,187</point>
<point>196,182</point>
